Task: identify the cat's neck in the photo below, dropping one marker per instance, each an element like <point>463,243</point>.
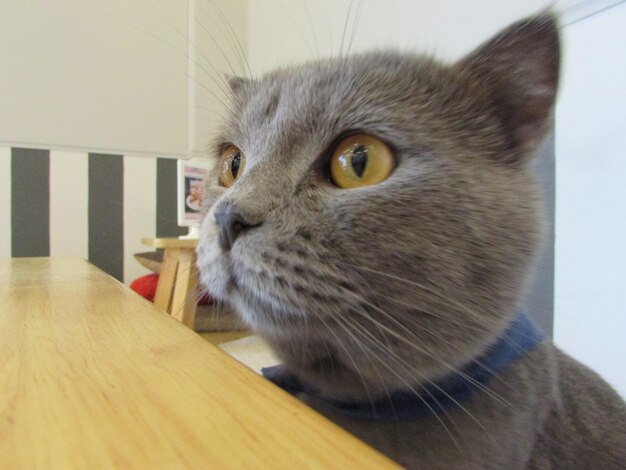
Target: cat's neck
<point>460,385</point>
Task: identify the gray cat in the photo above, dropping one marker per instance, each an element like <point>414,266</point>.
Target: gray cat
<point>376,219</point>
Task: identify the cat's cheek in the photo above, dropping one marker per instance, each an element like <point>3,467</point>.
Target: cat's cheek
<point>212,265</point>
<point>213,278</point>
<point>245,312</point>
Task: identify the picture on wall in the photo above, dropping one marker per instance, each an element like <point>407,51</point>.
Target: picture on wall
<point>191,178</point>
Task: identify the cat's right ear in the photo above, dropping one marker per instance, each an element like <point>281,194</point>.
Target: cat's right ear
<point>237,84</point>
<point>519,68</point>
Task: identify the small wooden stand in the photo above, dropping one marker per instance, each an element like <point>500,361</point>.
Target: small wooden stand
<point>178,280</point>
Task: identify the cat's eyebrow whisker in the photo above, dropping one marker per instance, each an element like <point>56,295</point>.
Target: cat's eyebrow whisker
<point>208,90</point>
<point>292,21</point>
<point>241,55</point>
<point>223,86</point>
<point>171,46</point>
<point>308,14</point>
<point>217,77</point>
<point>185,5</point>
<point>355,24</point>
<point>211,110</point>
<point>345,27</point>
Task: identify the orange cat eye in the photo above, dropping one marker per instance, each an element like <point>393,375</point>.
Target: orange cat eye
<point>231,165</point>
<point>361,160</point>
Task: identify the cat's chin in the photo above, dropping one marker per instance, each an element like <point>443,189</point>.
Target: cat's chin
<point>215,271</point>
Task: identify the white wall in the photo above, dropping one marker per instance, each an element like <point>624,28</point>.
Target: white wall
<point>284,32</point>
<point>81,74</point>
<point>590,287</point>
<point>114,76</point>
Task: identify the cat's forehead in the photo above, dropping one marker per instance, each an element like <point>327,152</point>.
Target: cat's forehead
<point>315,102</point>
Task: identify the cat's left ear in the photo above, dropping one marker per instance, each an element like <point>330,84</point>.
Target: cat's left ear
<point>237,84</point>
<point>520,67</point>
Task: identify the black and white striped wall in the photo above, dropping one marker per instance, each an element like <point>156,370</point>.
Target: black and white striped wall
<point>94,206</point>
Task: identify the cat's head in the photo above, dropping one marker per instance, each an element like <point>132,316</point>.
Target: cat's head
<point>375,217</point>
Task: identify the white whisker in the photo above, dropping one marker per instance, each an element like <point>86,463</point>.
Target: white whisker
<point>409,385</point>
<point>404,340</point>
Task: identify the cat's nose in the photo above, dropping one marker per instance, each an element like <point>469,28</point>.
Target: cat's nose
<point>231,224</point>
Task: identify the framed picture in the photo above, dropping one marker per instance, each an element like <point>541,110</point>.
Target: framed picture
<point>191,180</point>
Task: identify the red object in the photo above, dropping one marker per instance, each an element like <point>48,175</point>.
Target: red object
<point>206,299</point>
<point>146,287</point>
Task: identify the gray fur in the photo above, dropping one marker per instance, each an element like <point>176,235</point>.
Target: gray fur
<point>382,288</point>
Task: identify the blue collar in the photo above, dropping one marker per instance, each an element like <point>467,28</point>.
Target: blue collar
<point>521,336</point>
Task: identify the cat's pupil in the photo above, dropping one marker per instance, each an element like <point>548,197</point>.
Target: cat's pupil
<point>234,166</point>
<point>359,160</point>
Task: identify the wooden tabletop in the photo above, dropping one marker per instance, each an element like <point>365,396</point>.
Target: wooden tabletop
<point>93,376</point>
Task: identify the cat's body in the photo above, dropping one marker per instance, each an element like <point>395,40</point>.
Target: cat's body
<point>403,279</point>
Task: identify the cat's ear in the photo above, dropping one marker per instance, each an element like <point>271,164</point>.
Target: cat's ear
<point>520,68</point>
<point>237,84</point>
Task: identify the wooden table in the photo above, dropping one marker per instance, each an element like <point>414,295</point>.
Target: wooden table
<point>93,376</point>
<point>178,280</point>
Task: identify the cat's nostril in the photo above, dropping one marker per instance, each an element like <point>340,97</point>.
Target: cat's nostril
<point>237,227</point>
<point>231,225</point>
